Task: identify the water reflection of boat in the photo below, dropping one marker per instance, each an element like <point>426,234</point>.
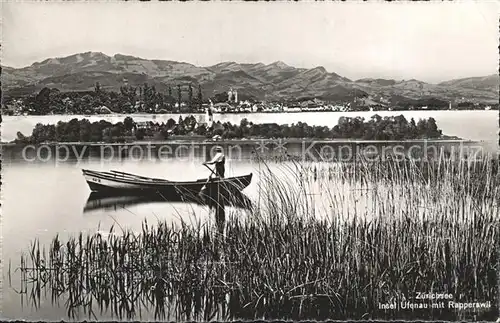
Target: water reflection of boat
<point>99,200</point>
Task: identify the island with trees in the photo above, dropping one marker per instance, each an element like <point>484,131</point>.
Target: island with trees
<point>189,128</point>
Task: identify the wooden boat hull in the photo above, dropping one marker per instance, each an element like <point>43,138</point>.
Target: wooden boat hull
<point>117,182</point>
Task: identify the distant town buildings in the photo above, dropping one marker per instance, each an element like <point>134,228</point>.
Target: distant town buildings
<point>87,104</point>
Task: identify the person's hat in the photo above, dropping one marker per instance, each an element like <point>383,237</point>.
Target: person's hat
<point>218,149</point>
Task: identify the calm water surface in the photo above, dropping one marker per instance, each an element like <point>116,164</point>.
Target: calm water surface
<point>42,199</point>
<point>471,125</point>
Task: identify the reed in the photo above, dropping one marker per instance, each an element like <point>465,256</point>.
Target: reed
<point>333,245</point>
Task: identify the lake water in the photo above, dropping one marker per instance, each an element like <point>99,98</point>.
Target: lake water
<point>42,199</point>
<point>472,125</point>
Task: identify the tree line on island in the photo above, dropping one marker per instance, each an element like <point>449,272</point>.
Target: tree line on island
<point>375,128</point>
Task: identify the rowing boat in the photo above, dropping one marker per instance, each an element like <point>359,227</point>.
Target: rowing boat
<point>121,182</point>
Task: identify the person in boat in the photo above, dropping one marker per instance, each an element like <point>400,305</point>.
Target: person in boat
<point>216,201</point>
<point>219,161</point>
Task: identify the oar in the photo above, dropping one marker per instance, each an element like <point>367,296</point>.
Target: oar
<point>211,170</point>
<point>208,179</point>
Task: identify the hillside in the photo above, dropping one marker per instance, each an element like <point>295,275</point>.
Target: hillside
<point>486,83</point>
<point>275,81</point>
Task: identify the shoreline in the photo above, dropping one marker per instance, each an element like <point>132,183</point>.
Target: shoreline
<point>233,133</point>
<point>255,141</point>
<point>236,112</point>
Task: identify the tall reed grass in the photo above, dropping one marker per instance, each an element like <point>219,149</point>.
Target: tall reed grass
<point>331,246</point>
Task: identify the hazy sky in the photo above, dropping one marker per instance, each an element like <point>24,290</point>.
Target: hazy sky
<point>427,41</point>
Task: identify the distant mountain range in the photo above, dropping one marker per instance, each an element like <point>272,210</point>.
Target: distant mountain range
<point>276,81</point>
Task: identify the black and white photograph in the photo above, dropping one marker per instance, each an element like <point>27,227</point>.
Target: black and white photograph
<point>223,161</point>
